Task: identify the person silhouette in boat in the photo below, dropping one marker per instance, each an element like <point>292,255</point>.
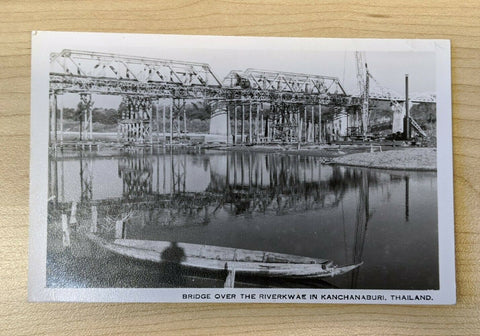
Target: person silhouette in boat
<point>171,270</point>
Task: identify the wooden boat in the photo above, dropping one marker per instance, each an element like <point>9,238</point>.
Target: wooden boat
<point>229,259</point>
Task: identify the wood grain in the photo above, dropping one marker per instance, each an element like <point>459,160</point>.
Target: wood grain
<point>455,20</point>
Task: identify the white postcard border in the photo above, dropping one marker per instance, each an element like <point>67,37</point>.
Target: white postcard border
<point>43,43</point>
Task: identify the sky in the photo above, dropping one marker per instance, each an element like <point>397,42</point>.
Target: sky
<point>387,67</point>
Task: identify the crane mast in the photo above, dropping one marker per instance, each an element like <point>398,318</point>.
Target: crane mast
<point>363,77</point>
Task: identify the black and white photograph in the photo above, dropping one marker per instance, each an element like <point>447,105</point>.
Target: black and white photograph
<point>171,168</point>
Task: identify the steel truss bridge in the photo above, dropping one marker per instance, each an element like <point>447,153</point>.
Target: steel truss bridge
<point>259,105</point>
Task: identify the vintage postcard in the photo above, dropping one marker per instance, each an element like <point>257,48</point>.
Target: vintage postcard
<point>169,168</point>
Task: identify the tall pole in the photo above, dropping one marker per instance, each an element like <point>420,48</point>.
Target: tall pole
<point>256,123</point>
<point>305,122</point>
<point>164,162</point>
<point>151,121</point>
<point>52,112</point>
<point>172,171</point>
<point>299,129</point>
<point>163,123</point>
<point>157,125</point>
<point>61,119</point>
<point>262,130</point>
<point>81,113</point>
<point>312,130</point>
<point>235,124</point>
<point>267,127</point>
<point>290,121</point>
<point>158,172</point>
<point>90,123</point>
<point>243,122</point>
<point>366,107</point>
<point>250,123</point>
<point>179,112</point>
<point>228,125</point>
<point>171,122</point>
<point>319,123</point>
<point>407,112</point>
<point>184,117</point>
<point>273,129</point>
<point>55,109</point>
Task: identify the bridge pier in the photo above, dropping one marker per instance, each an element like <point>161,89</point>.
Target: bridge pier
<point>262,129</point>
<point>53,117</point>
<point>243,124</point>
<point>320,140</point>
<point>312,125</point>
<point>56,111</point>
<point>136,124</point>
<point>61,118</point>
<point>171,122</point>
<point>250,123</point>
<point>163,124</point>
<point>235,124</point>
<point>86,124</point>
<point>304,123</point>
<point>178,117</point>
<point>228,124</point>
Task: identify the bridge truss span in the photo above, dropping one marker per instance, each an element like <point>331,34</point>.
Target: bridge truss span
<point>276,106</point>
<point>123,67</point>
<point>267,80</point>
<point>148,84</point>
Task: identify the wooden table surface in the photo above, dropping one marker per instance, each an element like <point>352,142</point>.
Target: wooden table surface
<point>455,20</point>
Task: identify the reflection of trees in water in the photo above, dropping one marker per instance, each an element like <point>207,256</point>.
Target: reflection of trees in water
<point>86,178</point>
<point>239,183</point>
<point>282,183</point>
<point>136,173</point>
<point>361,223</point>
<point>57,178</point>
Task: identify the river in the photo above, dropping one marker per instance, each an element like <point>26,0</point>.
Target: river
<point>272,202</point>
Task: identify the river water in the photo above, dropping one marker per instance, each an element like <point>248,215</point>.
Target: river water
<point>272,202</point>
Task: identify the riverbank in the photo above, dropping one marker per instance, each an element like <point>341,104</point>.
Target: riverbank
<point>325,151</point>
<point>401,158</point>
<point>404,159</point>
<point>372,155</point>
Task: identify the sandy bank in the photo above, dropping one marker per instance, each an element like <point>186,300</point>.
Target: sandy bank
<point>405,159</point>
<point>399,158</point>
<point>324,151</point>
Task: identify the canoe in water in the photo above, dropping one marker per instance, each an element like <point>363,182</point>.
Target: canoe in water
<point>224,258</point>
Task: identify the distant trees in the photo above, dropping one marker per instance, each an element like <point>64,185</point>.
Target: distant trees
<point>122,108</point>
<point>198,110</point>
<point>199,113</point>
<point>105,116</point>
<point>69,113</point>
<point>106,119</point>
<point>109,116</point>
<point>424,112</point>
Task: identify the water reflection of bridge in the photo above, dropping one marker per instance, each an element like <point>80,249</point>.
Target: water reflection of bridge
<point>180,189</point>
<point>171,189</point>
